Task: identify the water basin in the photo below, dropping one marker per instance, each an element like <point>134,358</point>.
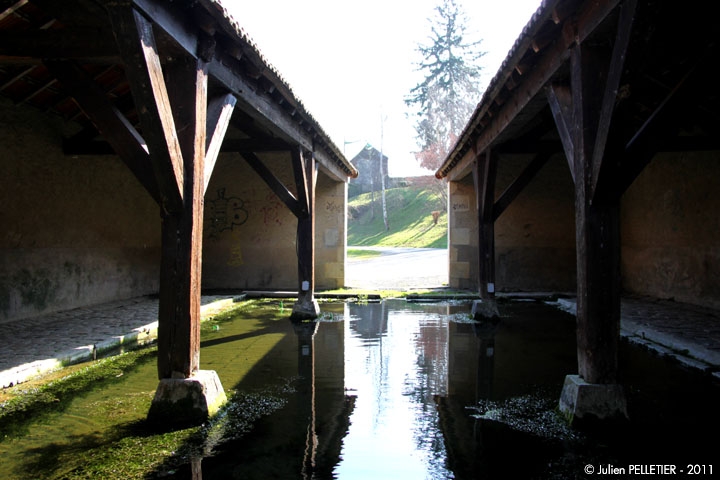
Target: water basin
<point>378,390</point>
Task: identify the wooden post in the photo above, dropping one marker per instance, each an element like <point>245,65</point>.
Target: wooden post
<point>181,266</point>
<point>597,228</point>
<point>173,116</point>
<point>306,171</point>
<point>484,173</point>
<point>584,119</point>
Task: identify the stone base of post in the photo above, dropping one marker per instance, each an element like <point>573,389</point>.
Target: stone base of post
<point>306,308</point>
<point>187,401</point>
<point>485,309</point>
<point>582,402</point>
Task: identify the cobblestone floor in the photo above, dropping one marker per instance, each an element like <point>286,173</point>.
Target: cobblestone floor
<point>39,344</point>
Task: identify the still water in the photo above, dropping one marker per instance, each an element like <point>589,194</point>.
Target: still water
<point>390,390</point>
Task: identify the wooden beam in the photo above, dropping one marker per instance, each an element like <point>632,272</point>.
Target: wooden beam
<point>265,110</point>
<point>134,34</point>
<point>306,307</point>
<point>8,7</point>
<point>597,225</point>
<point>301,180</point>
<point>660,127</point>
<point>259,144</point>
<point>612,83</point>
<point>518,185</point>
<point>89,44</point>
<point>560,102</point>
<point>181,264</point>
<point>115,128</point>
<point>551,60</point>
<point>484,176</point>
<point>275,184</point>
<point>218,118</point>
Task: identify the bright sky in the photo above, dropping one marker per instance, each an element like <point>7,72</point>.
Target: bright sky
<point>352,63</point>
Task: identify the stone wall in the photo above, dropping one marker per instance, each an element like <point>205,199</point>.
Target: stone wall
<point>75,230</point>
<point>82,230</point>
<point>671,229</point>
<point>330,233</point>
<point>249,240</point>
<point>534,237</point>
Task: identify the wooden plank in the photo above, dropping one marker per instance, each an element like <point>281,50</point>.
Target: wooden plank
<point>115,128</point>
<point>137,45</point>
<point>518,185</point>
<point>275,184</point>
<point>560,102</point>
<point>219,113</point>
<point>181,265</point>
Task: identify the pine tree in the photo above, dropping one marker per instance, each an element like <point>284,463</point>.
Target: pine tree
<point>447,96</point>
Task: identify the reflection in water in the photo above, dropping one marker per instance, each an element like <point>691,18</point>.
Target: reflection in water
<point>397,390</point>
<point>394,364</point>
<point>386,394</point>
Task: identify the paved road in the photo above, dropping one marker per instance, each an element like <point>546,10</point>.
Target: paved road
<point>398,268</point>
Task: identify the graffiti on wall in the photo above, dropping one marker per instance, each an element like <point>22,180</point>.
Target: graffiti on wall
<point>272,210</point>
<point>333,206</point>
<point>225,213</point>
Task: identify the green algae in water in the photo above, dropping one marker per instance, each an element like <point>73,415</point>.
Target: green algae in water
<point>53,397</point>
<point>91,423</point>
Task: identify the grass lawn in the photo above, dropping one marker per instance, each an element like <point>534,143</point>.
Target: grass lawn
<point>357,253</point>
<point>409,215</point>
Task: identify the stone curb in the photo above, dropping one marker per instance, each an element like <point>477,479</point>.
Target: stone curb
<point>691,354</point>
<point>139,336</point>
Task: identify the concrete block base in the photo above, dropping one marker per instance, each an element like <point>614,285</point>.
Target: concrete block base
<point>187,401</point>
<point>485,309</point>
<point>581,401</point>
<point>305,309</point>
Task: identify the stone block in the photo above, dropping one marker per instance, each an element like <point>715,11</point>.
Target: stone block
<point>460,236</point>
<point>486,309</point>
<point>581,401</point>
<point>187,401</point>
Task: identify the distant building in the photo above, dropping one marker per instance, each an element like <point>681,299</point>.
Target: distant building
<point>367,162</point>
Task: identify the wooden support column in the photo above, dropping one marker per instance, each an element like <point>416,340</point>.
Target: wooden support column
<point>484,173</point>
<point>181,265</point>
<point>597,230</point>
<point>595,74</point>
<point>306,171</point>
<point>173,116</point>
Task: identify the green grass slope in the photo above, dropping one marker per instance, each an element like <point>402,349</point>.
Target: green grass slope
<point>410,218</point>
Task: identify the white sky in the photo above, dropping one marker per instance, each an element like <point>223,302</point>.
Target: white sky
<point>352,63</point>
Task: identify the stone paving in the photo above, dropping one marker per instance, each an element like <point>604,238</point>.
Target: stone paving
<point>689,333</point>
<point>37,345</point>
<point>40,344</point>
